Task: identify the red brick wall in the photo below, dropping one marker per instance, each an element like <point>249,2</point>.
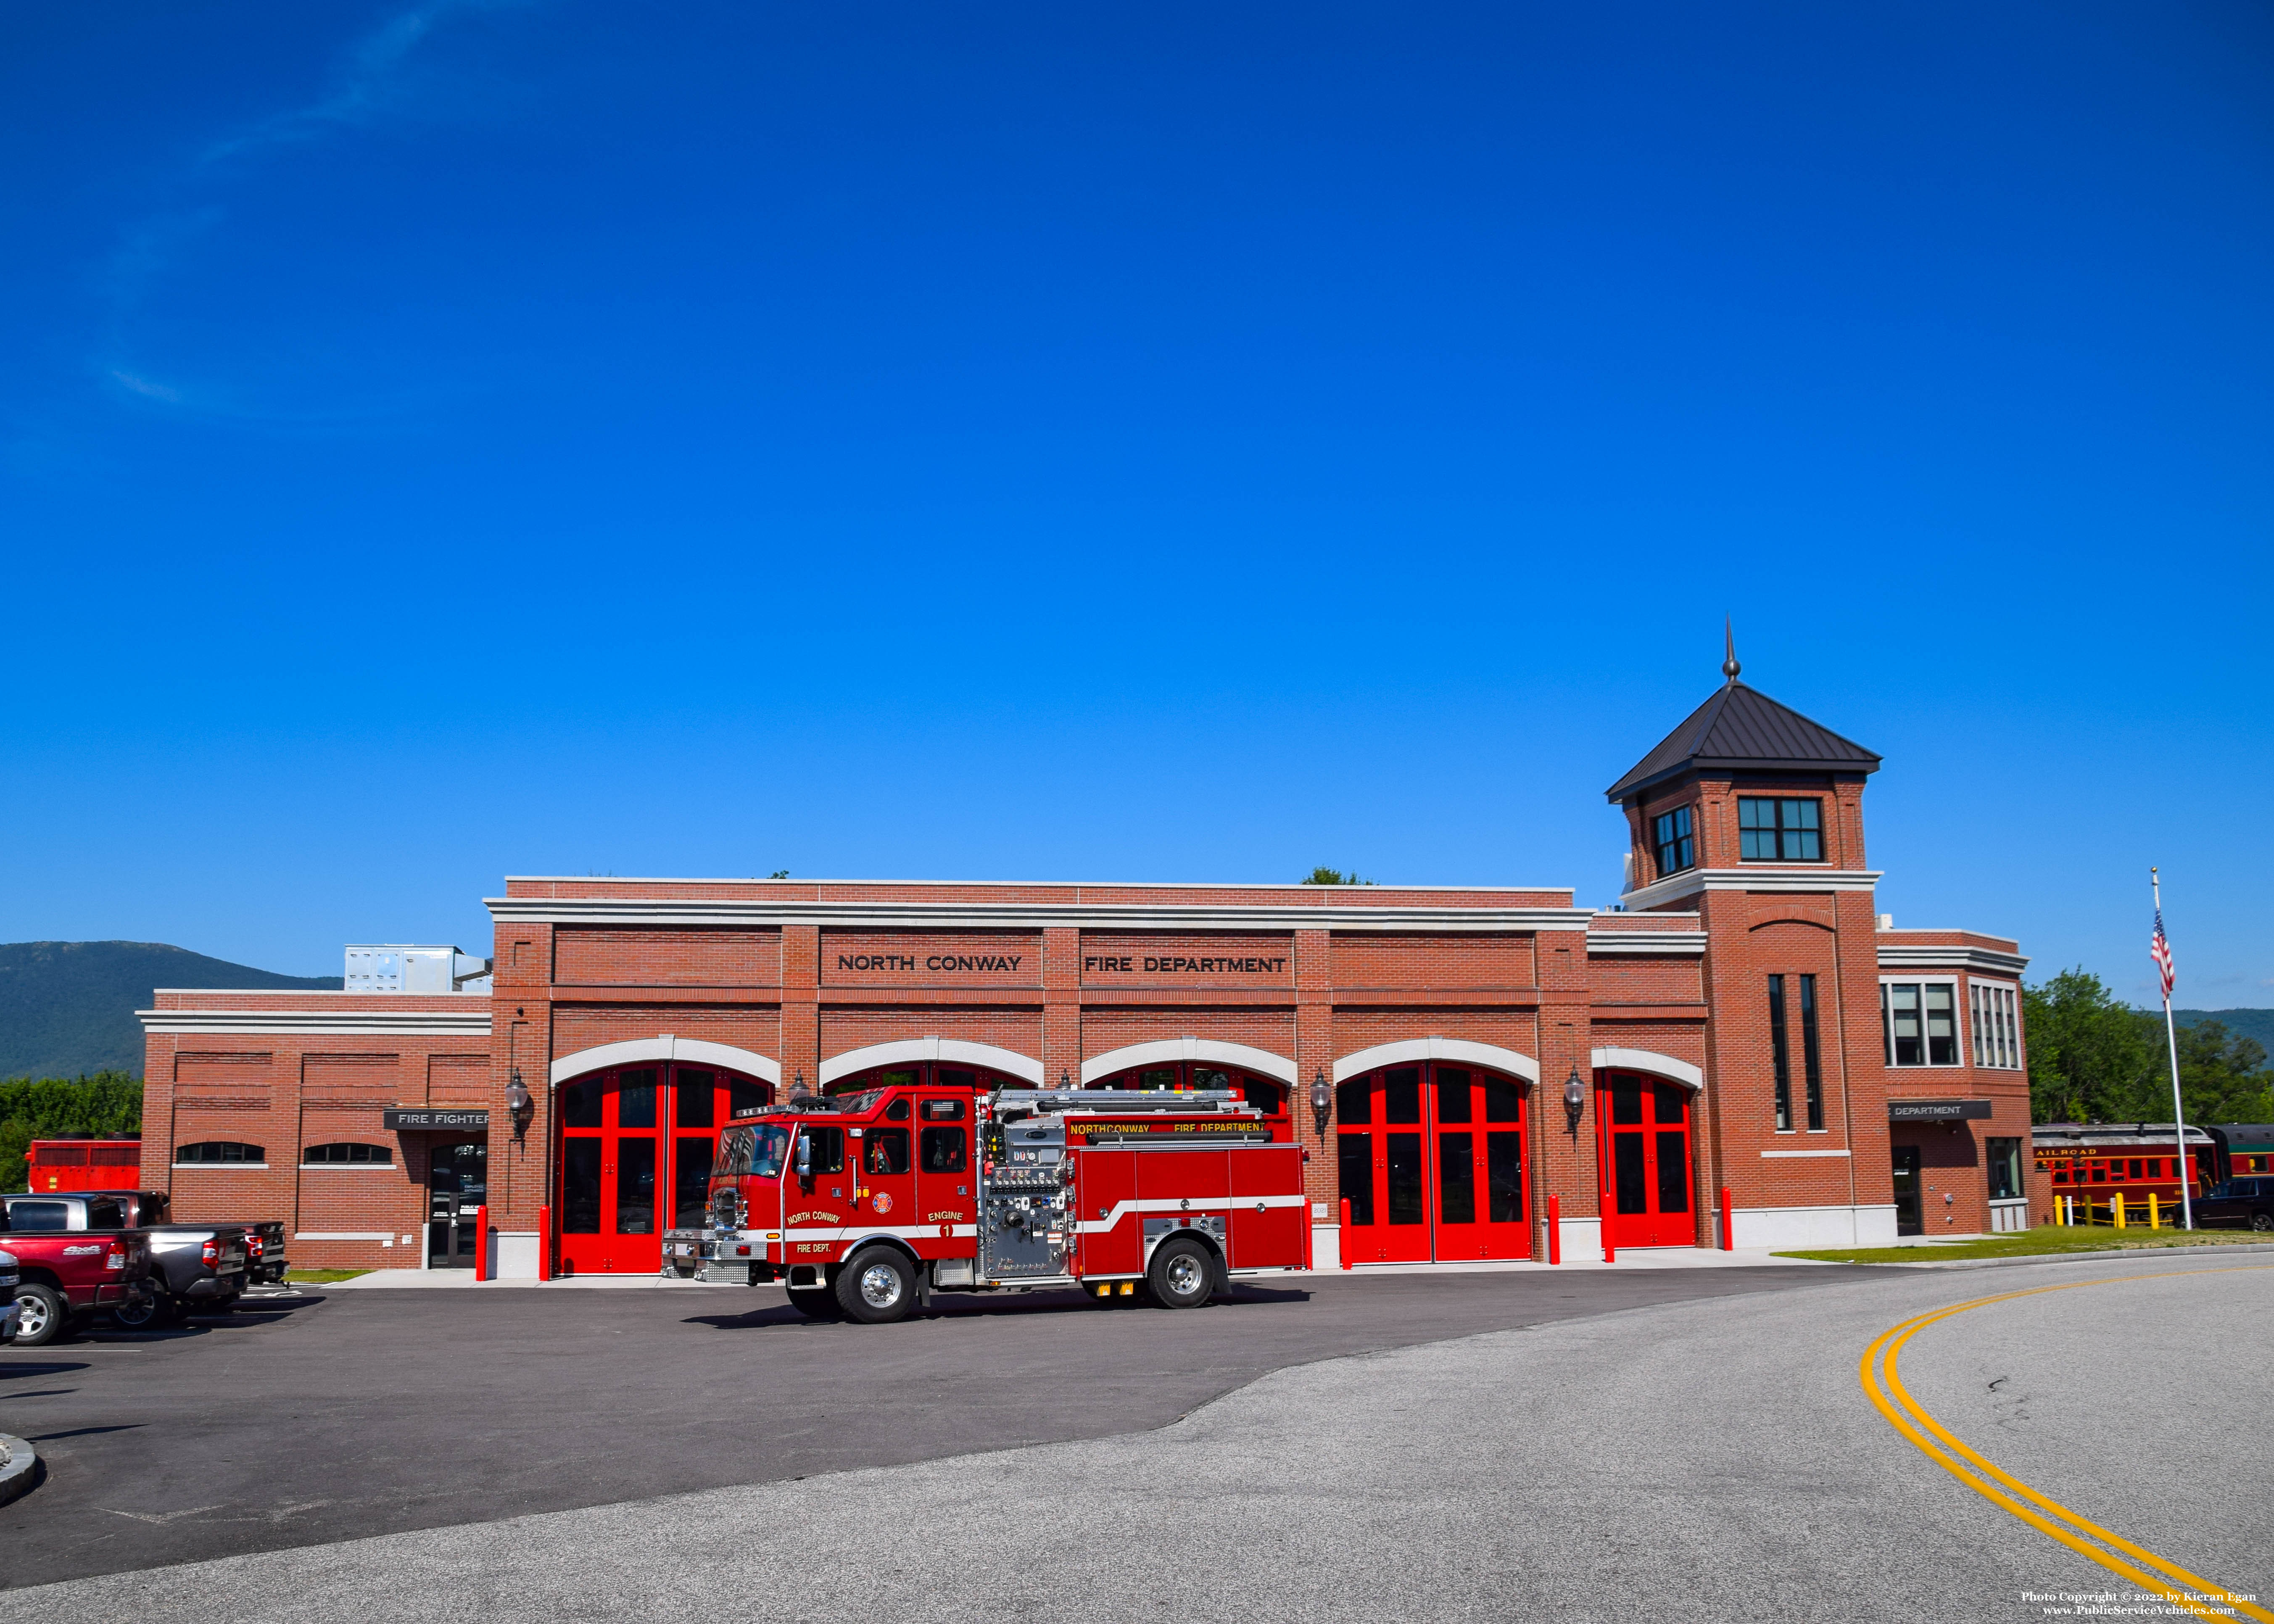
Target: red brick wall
<point>579,1027</point>
<point>1418,961</point>
<point>667,957</point>
<point>1104,1030</point>
<point>1017,1028</point>
<point>285,1092</point>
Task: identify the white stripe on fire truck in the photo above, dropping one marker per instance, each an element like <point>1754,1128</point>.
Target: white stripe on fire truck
<point>1171,1204</point>
<point>906,1231</point>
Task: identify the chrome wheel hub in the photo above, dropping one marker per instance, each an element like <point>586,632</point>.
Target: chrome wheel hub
<point>880,1285</point>
<point>33,1317</point>
<point>1184,1275</point>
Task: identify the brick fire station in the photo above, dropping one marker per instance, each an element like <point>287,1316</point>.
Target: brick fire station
<point>1744,1028</point>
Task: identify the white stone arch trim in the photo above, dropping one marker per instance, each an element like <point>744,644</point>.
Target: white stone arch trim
<point>1648,1060</point>
<point>904,1050</point>
<point>1490,1055</point>
<point>664,1046</point>
<point>1258,1060</point>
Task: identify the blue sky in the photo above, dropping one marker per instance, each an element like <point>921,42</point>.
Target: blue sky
<point>1169,443</point>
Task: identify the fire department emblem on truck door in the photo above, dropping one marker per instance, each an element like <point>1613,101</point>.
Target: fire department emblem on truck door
<point>884,1203</point>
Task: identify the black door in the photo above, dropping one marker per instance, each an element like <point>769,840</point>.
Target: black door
<point>1910,1217</point>
<point>458,1183</point>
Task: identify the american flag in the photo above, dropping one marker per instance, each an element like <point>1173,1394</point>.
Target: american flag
<point>2160,949</point>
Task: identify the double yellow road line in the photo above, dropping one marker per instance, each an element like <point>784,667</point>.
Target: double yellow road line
<point>1884,1383</point>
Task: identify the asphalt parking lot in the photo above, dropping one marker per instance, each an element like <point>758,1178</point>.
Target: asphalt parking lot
<point>1705,1456</point>
<point>322,1418</point>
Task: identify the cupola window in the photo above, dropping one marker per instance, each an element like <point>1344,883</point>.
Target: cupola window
<point>1781,830</point>
<point>1676,850</point>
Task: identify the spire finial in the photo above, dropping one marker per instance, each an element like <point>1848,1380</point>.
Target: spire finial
<point>1729,666</point>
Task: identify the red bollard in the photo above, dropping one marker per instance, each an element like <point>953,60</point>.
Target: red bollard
<point>1554,1229</point>
<point>1727,1229</point>
<point>545,1243</point>
<point>1342,1240</point>
<point>482,1243</point>
<point>1610,1251</point>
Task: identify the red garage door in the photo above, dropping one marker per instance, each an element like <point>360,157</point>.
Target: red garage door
<point>1646,1162</point>
<point>1431,1160</point>
<point>635,1160</point>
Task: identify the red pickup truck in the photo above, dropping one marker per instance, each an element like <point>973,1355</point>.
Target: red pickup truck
<point>194,1267</point>
<point>65,1277</point>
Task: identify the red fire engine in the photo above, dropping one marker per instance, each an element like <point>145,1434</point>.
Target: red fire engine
<point>863,1206</point>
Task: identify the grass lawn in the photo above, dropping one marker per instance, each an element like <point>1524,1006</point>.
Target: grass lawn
<point>321,1277</point>
<point>2048,1238</point>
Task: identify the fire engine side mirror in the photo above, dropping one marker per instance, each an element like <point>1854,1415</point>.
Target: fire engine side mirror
<point>805,1159</point>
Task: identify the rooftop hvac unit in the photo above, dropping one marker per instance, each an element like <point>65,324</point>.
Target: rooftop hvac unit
<point>396,967</point>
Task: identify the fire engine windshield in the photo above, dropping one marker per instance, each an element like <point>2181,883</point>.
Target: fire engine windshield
<point>756,1151</point>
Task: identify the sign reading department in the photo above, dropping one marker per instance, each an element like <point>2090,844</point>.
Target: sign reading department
<point>1213,961</point>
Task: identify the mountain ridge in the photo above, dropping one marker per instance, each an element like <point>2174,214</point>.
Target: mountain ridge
<point>2255,1024</point>
<point>67,1008</point>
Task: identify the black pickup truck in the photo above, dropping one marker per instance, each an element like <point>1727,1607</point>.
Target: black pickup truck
<point>197,1267</point>
<point>264,1237</point>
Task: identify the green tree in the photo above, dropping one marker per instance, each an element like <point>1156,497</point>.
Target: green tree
<point>32,1109</point>
<point>1335,876</point>
<point>2222,1077</point>
<point>2091,1058</point>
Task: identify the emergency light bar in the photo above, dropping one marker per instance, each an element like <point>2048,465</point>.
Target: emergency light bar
<point>1118,1099</point>
<point>1040,1100</point>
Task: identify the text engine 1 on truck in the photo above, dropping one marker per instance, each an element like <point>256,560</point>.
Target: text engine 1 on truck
<point>865,1204</point>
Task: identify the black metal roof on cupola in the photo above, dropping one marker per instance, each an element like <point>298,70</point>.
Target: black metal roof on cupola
<point>1743,729</point>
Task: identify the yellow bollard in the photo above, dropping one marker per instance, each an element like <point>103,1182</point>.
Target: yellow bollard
<point>2154,1211</point>
<point>2116,1206</point>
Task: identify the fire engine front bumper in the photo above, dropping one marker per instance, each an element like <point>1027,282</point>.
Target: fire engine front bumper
<point>728,1258</point>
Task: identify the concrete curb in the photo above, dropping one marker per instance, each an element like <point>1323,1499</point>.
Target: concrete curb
<point>2074,1257</point>
<point>17,1475</point>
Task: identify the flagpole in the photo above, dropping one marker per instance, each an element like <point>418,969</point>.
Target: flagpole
<point>2172,1048</point>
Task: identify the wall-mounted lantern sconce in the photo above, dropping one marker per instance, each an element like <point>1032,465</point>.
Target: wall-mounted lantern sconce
<point>1575,1100</point>
<point>1319,1097</point>
<point>517,1102</point>
<point>1066,1083</point>
<point>797,1089</point>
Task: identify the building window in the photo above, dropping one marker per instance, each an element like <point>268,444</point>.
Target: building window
<point>348,1155</point>
<point>2005,1170</point>
<point>1676,850</point>
<point>1997,1028</point>
<point>1921,1022</point>
<point>1779,830</point>
<point>1812,1055</point>
<point>210,1151</point>
<point>1778,1056</point>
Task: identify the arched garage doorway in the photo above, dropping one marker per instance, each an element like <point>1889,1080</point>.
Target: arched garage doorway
<point>635,1147</point>
<point>1431,1162</point>
<point>1649,1184</point>
<point>1266,1094</point>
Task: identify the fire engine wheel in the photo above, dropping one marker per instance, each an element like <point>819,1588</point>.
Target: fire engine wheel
<point>1183,1274</point>
<point>41,1315</point>
<point>816,1302</point>
<point>878,1286</point>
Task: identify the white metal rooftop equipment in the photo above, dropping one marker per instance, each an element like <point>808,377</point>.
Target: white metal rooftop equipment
<point>400,967</point>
